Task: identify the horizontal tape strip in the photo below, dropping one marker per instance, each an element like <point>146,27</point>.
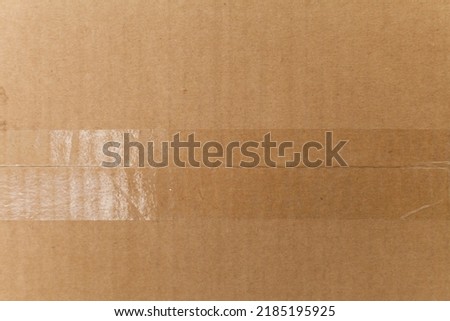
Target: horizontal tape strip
<point>52,193</point>
<point>365,148</point>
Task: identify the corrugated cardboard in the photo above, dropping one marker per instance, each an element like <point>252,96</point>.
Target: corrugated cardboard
<point>74,73</point>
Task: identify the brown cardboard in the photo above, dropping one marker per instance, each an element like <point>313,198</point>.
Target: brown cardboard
<point>76,73</point>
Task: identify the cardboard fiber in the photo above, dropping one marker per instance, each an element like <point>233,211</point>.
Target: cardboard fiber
<point>75,74</point>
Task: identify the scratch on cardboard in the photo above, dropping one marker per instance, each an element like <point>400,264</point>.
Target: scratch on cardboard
<point>405,216</point>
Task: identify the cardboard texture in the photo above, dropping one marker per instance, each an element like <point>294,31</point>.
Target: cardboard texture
<point>75,74</point>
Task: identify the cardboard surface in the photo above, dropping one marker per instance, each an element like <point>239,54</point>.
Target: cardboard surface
<point>76,74</point>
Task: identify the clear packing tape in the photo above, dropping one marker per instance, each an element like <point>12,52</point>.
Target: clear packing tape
<point>57,175</point>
